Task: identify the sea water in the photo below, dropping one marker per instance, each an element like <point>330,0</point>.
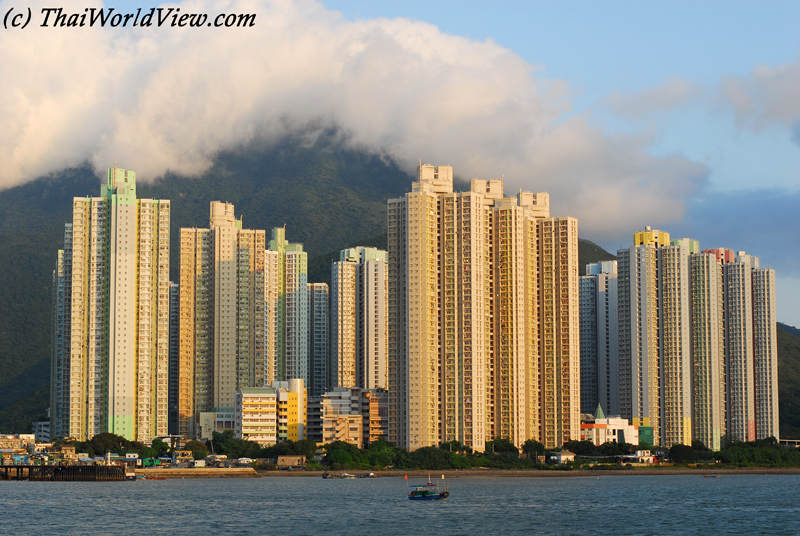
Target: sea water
<point>614,505</point>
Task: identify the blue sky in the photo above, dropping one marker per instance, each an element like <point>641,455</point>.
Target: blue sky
<point>679,115</point>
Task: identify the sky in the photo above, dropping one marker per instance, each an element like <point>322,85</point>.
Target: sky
<point>683,116</point>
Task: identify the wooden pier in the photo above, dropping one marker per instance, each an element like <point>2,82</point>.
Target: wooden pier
<point>63,473</point>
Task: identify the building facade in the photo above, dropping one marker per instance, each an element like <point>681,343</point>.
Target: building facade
<point>256,413</point>
<point>483,316</point>
<point>708,349</point>
<point>319,356</point>
<point>639,386</point>
<point>222,315</point>
<point>750,347</point>
<point>353,415</point>
<point>697,339</point>
<point>675,341</point>
<point>287,309</point>
<point>110,362</point>
<point>359,320</point>
<point>599,338</point>
<point>174,356</point>
<point>765,356</point>
<point>292,409</point>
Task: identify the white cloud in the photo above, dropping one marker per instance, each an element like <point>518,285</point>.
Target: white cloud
<point>673,93</point>
<point>159,99</point>
<point>768,96</point>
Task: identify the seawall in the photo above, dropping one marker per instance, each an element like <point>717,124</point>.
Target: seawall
<point>200,472</point>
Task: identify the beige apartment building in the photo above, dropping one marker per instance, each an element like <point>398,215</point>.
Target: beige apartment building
<point>222,315</point>
<point>359,323</point>
<point>708,349</point>
<point>483,316</point>
<point>256,415</point>
<point>765,354</point>
<point>675,341</point>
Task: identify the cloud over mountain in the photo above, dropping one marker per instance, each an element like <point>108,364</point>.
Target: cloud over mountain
<point>158,99</point>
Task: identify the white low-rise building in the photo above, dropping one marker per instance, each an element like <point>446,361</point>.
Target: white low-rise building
<point>609,430</point>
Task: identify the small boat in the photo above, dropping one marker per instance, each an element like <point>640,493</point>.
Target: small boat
<point>428,492</point>
<point>712,476</point>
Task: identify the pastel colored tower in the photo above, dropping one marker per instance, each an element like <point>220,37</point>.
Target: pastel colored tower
<point>111,316</point>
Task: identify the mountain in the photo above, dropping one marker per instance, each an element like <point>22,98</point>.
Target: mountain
<point>789,381</point>
<point>329,198</point>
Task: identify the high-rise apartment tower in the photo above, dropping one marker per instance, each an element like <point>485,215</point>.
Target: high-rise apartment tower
<point>359,321</point>
<point>483,316</point>
<point>111,316</point>
<point>222,315</point>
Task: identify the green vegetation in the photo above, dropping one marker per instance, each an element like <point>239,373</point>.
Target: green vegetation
<point>103,443</point>
<point>789,381</point>
<point>500,454</point>
<point>761,453</point>
<point>589,252</point>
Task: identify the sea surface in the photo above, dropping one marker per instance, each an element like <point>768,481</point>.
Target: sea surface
<point>613,505</point>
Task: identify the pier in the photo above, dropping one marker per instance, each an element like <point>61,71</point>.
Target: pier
<point>63,473</point>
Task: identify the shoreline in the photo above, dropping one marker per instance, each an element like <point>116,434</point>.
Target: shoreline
<point>555,473</point>
<point>436,474</point>
<point>200,472</point>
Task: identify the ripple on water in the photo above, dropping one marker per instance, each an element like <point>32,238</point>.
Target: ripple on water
<point>735,504</point>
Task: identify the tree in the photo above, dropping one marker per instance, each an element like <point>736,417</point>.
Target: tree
<point>305,447</point>
<point>580,448</point>
<point>338,457</point>
<point>198,448</point>
<point>225,443</point>
<point>160,447</point>
<point>106,442</point>
<point>533,448</point>
<point>609,448</point>
<point>453,446</point>
<point>194,445</point>
<point>431,458</point>
<point>679,453</point>
<point>502,444</point>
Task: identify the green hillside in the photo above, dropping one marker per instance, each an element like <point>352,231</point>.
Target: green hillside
<point>789,380</point>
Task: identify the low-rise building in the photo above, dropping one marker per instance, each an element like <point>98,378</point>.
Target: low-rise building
<point>343,427</point>
<point>601,430</point>
<point>353,415</point>
<point>565,456</point>
<point>182,456</point>
<point>257,415</point>
<point>41,431</point>
<point>217,420</point>
<point>292,409</point>
<point>291,461</point>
